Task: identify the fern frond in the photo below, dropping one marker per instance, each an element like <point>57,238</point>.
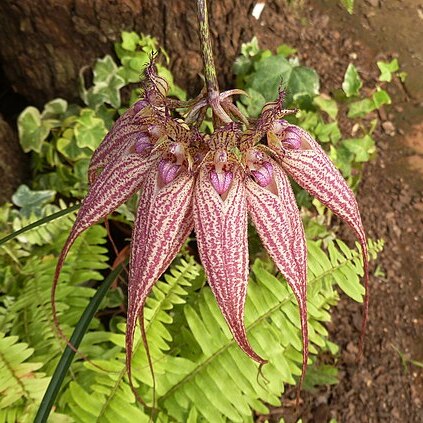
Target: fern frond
<point>22,385</point>
<point>222,383</point>
<point>108,395</point>
<point>31,314</point>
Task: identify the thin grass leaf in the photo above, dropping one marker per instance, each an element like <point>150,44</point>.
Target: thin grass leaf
<point>39,223</point>
<point>67,357</point>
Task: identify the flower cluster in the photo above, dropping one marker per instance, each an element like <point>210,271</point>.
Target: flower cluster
<point>212,184</point>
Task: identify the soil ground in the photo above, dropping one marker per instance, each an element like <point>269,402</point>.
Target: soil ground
<point>387,386</point>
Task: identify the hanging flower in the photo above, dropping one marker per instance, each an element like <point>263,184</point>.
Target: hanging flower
<point>212,184</point>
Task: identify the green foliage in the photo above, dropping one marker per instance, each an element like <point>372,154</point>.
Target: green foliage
<point>63,137</point>
<point>261,73</point>
<point>387,69</point>
<point>199,372</point>
<point>349,5</point>
<point>22,385</point>
<point>352,81</point>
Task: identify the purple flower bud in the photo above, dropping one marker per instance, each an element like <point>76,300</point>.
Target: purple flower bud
<point>264,174</point>
<point>221,180</point>
<point>279,126</point>
<point>142,143</point>
<point>139,105</point>
<point>168,171</point>
<point>291,138</point>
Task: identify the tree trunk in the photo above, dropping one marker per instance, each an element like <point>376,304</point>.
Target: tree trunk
<point>14,167</point>
<point>45,44</point>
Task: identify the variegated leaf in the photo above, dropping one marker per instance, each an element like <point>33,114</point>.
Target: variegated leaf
<point>276,217</point>
<point>221,229</point>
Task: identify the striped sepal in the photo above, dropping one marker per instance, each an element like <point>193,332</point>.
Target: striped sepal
<point>277,220</point>
<point>163,223</point>
<point>120,136</point>
<point>221,229</point>
<point>118,181</point>
<point>314,171</point>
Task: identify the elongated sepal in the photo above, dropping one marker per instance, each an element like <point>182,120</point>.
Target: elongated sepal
<point>113,187</point>
<point>314,171</point>
<point>221,229</point>
<point>276,217</point>
<point>122,134</point>
<point>164,221</point>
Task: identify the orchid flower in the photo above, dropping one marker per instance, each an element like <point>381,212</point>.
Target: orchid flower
<point>212,183</point>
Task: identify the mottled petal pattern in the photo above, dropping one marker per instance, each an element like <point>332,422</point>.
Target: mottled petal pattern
<point>118,138</point>
<point>314,171</point>
<point>277,220</point>
<point>118,181</point>
<point>164,221</point>
<point>221,229</point>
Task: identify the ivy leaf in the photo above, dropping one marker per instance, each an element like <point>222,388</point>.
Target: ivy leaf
<point>327,105</point>
<point>254,103</point>
<point>387,69</point>
<point>381,97</point>
<point>362,148</point>
<point>67,146</point>
<point>107,84</point>
<point>285,50</point>
<point>271,71</point>
<point>32,131</point>
<point>251,48</point>
<point>130,40</point>
<point>361,108</point>
<point>54,108</point>
<point>326,132</point>
<point>31,201</point>
<point>352,81</point>
<point>89,130</point>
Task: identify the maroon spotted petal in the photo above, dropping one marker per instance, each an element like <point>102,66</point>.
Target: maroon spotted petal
<point>118,181</point>
<point>221,229</point>
<point>122,135</point>
<point>313,170</point>
<point>164,221</point>
<point>276,217</point>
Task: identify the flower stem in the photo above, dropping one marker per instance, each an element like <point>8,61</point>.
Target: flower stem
<point>206,50</point>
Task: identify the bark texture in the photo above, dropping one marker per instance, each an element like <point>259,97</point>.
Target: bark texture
<point>13,162</point>
<point>45,44</point>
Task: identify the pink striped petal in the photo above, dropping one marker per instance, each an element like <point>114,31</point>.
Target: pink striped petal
<point>221,180</point>
<point>115,139</point>
<point>314,171</point>
<point>276,217</point>
<point>113,187</point>
<point>164,221</point>
<point>221,229</point>
<point>263,175</point>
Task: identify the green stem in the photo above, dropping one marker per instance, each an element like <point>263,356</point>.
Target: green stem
<point>206,49</point>
<point>68,354</point>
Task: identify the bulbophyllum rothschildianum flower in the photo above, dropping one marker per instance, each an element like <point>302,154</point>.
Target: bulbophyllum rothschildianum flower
<point>212,184</point>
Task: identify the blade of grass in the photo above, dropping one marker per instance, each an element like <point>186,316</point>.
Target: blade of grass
<point>40,222</point>
<point>67,356</point>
